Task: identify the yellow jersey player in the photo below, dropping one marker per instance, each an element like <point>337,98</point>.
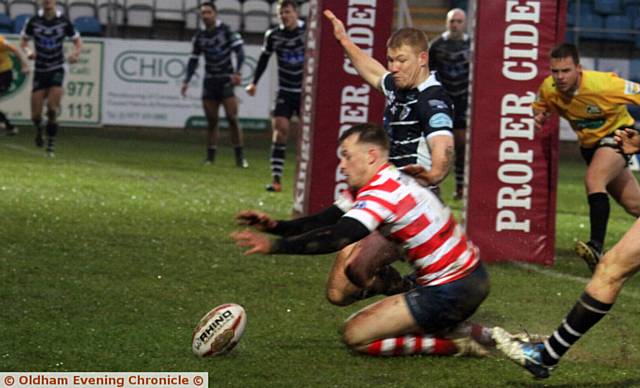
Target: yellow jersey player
<point>594,103</point>
<point>7,50</point>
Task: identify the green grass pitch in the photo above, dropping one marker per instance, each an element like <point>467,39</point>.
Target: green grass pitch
<point>111,252</point>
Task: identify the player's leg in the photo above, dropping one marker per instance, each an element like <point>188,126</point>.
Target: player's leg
<point>37,104</point>
<point>617,266</point>
<point>6,77</point>
<point>409,323</point>
<point>605,165</point>
<point>626,191</point>
<point>211,108</point>
<point>368,260</point>
<point>230,104</point>
<point>54,98</point>
<point>279,139</point>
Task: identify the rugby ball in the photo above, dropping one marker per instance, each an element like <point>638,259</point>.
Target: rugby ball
<point>219,330</point>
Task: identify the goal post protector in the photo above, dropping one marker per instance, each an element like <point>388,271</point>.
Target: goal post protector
<point>510,207</point>
<point>334,96</point>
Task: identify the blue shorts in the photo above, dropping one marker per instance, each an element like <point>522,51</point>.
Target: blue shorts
<point>438,308</point>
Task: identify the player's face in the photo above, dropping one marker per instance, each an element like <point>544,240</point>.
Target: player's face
<point>48,4</point>
<point>456,23</point>
<point>566,74</point>
<point>405,64</point>
<point>288,17</point>
<point>208,16</point>
<point>354,162</point>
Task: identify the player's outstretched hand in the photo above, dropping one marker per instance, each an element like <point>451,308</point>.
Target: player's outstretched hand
<point>257,243</point>
<point>629,140</point>
<point>259,220</point>
<point>338,27</point>
<point>418,172</point>
<point>183,89</point>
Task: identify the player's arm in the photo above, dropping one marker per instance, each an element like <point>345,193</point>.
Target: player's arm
<point>25,35</point>
<point>239,52</point>
<point>325,239</point>
<point>263,61</point>
<point>77,49</point>
<point>541,109</point>
<point>192,65</point>
<point>263,222</point>
<point>442,154</point>
<point>369,69</point>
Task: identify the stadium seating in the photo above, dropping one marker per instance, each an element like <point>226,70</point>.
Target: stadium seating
<point>6,24</point>
<point>170,10</point>
<point>3,7</point>
<point>230,13</point>
<point>275,18</point>
<point>21,7</point>
<point>590,19</point>
<point>304,10</point>
<point>78,8</point>
<point>139,13</point>
<point>257,15</point>
<point>113,8</point>
<point>619,22</point>
<point>88,26</point>
<point>607,7</point>
<point>19,22</point>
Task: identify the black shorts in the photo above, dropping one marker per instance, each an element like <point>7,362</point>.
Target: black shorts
<point>439,308</point>
<point>217,88</point>
<point>287,104</point>
<point>47,79</point>
<point>460,113</point>
<point>6,77</point>
<point>607,141</point>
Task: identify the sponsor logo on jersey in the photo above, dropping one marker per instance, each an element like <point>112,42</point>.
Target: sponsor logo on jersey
<point>440,120</point>
<point>593,110</point>
<point>438,104</point>
<point>631,88</point>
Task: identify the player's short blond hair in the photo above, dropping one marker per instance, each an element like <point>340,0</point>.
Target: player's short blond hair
<point>412,37</point>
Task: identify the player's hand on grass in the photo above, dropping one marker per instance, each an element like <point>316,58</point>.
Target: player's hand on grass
<point>338,27</point>
<point>628,140</point>
<point>258,243</point>
<point>259,220</point>
<point>251,89</point>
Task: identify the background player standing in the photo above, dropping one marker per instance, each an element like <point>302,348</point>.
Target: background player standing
<point>594,103</point>
<point>287,41</point>
<point>216,42</point>
<point>48,29</point>
<point>6,76</point>
<point>449,57</point>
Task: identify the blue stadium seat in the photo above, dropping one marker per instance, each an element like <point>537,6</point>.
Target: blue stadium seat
<point>88,26</point>
<point>619,22</point>
<point>571,14</point>
<point>608,7</point>
<point>19,21</point>
<point>589,19</point>
<point>6,24</point>
<point>636,26</point>
<point>569,36</point>
<point>634,70</point>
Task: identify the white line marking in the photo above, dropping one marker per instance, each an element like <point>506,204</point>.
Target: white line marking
<point>564,276</point>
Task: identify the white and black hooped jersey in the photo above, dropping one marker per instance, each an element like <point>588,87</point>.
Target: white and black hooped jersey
<point>450,59</point>
<point>216,45</point>
<point>412,116</point>
<point>48,37</point>
<point>289,48</point>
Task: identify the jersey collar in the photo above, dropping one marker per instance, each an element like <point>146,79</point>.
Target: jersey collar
<point>430,81</point>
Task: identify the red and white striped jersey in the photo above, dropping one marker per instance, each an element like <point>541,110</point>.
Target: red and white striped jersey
<point>410,214</point>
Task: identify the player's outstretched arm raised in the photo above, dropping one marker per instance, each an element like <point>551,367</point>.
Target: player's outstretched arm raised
<point>368,68</point>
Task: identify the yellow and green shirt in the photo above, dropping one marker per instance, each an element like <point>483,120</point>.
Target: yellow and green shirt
<point>597,108</point>
<point>5,56</point>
